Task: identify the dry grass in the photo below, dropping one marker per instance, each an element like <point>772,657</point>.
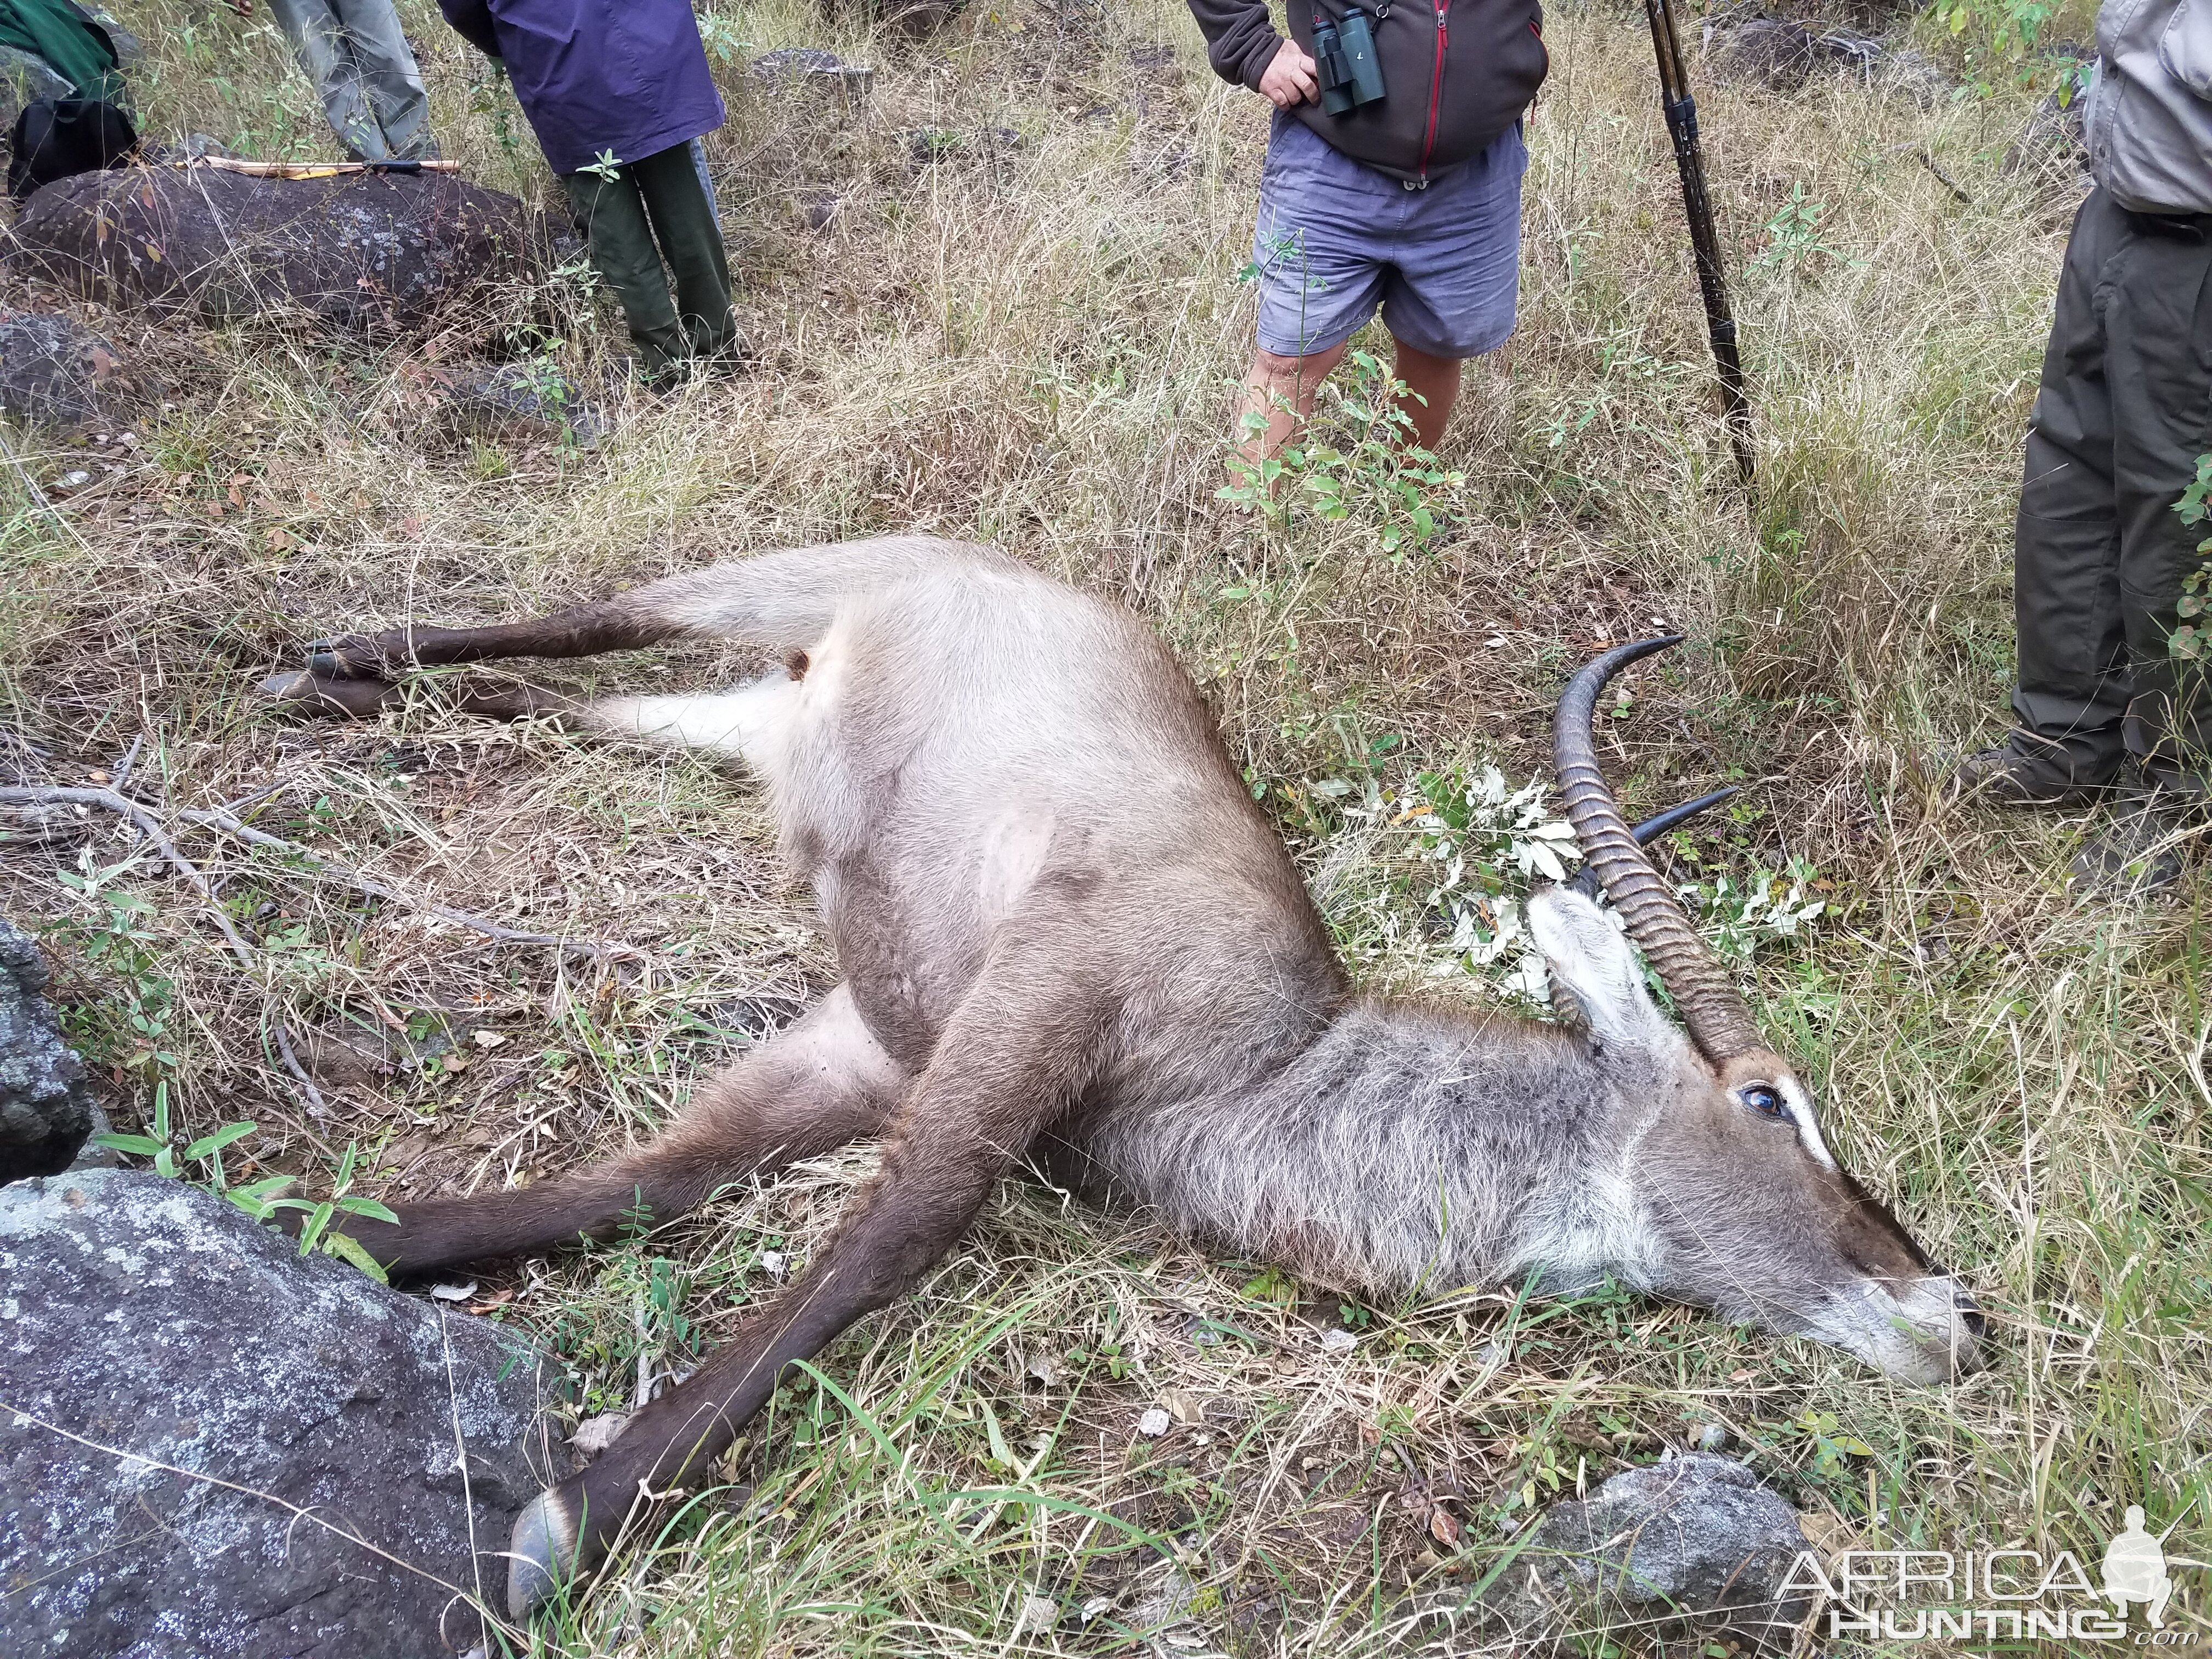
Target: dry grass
<point>1028,342</point>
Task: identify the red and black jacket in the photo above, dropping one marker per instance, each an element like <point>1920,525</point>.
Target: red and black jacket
<point>1457,73</point>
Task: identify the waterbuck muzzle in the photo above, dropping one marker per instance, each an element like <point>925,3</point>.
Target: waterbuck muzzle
<point>1748,1210</point>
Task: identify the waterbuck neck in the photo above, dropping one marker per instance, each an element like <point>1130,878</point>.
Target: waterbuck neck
<point>1407,1147</point>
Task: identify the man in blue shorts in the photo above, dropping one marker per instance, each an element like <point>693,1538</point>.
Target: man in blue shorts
<point>1409,205</point>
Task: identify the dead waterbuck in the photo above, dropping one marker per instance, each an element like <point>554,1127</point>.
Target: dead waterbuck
<point>1068,935</point>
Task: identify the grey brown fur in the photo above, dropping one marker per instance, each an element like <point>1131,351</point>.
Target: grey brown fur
<point>1069,936</point>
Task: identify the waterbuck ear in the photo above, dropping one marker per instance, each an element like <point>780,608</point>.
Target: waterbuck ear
<point>1596,981</point>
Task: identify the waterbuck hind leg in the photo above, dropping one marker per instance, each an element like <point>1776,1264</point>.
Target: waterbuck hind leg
<point>783,599</point>
<point>807,1090</point>
<point>578,630</point>
<point>317,695</point>
<point>1008,1063</point>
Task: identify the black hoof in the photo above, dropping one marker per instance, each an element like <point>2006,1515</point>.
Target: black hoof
<point>312,694</point>
<point>541,1554</point>
<point>352,658</point>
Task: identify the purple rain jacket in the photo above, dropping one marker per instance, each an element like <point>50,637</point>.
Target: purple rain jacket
<point>625,75</point>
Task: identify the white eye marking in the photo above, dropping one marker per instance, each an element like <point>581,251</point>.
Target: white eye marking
<point>1808,1128</point>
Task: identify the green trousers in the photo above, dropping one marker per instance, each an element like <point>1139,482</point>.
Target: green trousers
<point>2098,552</point>
<point>654,209</point>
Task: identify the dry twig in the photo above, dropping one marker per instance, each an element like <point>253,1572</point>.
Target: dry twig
<point>158,839</point>
<point>206,817</point>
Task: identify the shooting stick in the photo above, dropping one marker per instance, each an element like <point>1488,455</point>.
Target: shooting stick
<point>1682,111</point>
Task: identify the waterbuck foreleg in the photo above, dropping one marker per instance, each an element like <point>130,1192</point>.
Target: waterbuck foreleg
<point>807,1090</point>
<point>1008,1063</point>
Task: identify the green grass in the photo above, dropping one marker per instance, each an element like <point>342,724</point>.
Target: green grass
<point>1033,344</point>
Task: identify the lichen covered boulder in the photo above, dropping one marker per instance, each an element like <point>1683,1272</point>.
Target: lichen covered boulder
<point>213,1447</point>
<point>371,252</point>
<point>45,1111</point>
<point>1694,1545</point>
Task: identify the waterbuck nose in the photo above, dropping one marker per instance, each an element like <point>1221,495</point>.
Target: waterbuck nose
<point>1967,1354</point>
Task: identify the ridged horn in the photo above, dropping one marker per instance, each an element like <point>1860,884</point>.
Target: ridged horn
<point>1720,1024</point>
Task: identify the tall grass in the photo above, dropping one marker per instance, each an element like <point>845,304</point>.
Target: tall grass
<point>1019,322</point>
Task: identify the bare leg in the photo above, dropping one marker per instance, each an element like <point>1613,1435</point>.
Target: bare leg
<point>1282,389</point>
<point>1433,378</point>
<point>806,1091</point>
<point>1012,1057</point>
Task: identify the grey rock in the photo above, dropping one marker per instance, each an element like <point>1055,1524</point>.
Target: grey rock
<point>1782,55</point>
<point>91,1155</point>
<point>55,371</point>
<point>2052,142</point>
<point>193,1346</point>
<point>45,1110</point>
<point>1694,1544</point>
<point>509,401</point>
<point>26,77</point>
<point>818,208</point>
<point>377,253</point>
<point>811,68</point>
<point>129,51</point>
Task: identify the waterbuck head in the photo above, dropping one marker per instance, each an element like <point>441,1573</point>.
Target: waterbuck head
<point>1738,1202</point>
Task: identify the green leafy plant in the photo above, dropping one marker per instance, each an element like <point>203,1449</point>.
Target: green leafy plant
<point>1793,234</point>
<point>169,1159</point>
<point>722,37</point>
<point>606,164</point>
<point>1739,915</point>
<point>2188,642</point>
<point>1362,465</point>
<point>2002,40</point>
<point>120,945</point>
<point>489,96</point>
<point>1491,841</point>
<point>260,1200</point>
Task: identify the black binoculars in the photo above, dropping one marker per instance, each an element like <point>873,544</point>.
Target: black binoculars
<point>1350,74</point>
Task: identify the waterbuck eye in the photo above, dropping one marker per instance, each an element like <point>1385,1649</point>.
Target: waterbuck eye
<point>1764,1099</point>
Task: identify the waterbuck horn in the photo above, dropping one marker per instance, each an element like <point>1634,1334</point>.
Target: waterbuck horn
<point>1584,880</point>
<point>1719,1022</point>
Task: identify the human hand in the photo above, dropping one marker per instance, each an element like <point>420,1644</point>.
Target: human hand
<point>1290,77</point>
<point>243,8</point>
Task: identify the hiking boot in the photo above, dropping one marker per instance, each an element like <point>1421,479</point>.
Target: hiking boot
<point>2002,776</point>
<point>2137,855</point>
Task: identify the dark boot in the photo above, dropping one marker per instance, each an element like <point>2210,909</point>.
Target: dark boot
<point>2004,776</point>
<point>2137,855</point>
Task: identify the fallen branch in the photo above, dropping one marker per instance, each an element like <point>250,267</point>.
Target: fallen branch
<point>140,815</point>
<point>156,837</point>
<point>1943,178</point>
<point>317,1106</point>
